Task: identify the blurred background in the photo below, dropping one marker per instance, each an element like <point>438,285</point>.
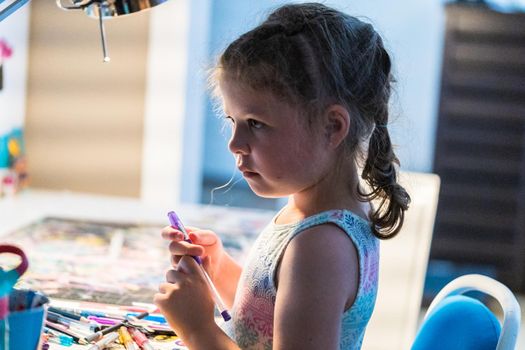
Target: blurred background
<point>143,124</point>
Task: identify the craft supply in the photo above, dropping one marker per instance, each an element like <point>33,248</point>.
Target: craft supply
<point>67,314</point>
<point>105,341</point>
<point>38,299</point>
<point>7,281</point>
<point>26,299</point>
<point>139,338</point>
<point>57,337</point>
<point>177,224</point>
<point>61,329</point>
<point>63,339</point>
<point>101,313</point>
<point>79,331</point>
<point>125,338</point>
<point>161,329</point>
<point>82,310</point>
<point>70,323</point>
<point>104,320</point>
<point>157,318</point>
<point>108,330</point>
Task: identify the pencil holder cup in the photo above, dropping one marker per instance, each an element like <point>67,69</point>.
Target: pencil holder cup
<point>25,326</point>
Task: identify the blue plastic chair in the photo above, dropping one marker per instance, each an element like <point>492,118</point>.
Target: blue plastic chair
<point>458,322</point>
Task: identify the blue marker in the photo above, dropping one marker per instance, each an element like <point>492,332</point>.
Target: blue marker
<point>153,318</point>
<point>176,223</point>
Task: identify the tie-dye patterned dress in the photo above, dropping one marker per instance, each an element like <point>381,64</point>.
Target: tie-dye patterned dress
<point>252,313</point>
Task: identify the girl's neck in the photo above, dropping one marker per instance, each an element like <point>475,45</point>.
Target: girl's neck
<point>333,191</point>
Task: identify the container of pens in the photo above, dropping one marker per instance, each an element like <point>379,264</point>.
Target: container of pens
<point>25,321</point>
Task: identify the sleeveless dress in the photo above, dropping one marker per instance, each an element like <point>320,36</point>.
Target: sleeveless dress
<point>251,326</point>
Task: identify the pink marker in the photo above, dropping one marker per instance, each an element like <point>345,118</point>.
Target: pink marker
<point>177,224</point>
<point>140,338</point>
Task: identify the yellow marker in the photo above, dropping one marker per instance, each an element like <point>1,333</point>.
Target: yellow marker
<point>125,338</point>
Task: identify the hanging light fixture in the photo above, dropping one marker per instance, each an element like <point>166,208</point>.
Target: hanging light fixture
<point>100,9</point>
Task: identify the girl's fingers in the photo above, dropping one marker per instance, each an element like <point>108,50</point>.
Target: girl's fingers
<point>187,265</point>
<point>175,260</point>
<point>200,237</point>
<point>173,276</point>
<point>203,237</point>
<point>170,233</point>
<point>185,248</point>
<point>163,288</point>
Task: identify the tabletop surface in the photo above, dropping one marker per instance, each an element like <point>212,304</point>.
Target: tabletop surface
<point>53,228</point>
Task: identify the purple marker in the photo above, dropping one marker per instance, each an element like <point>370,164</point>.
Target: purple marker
<point>104,320</point>
<point>177,224</point>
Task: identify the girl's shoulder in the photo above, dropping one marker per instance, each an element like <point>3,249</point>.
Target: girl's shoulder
<point>344,219</point>
<point>322,226</point>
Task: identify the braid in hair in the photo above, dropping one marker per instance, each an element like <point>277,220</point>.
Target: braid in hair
<point>380,170</point>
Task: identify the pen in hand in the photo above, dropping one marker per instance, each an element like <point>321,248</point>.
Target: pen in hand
<point>176,223</point>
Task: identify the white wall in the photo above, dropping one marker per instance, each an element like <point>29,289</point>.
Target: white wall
<point>229,19</point>
<point>175,101</point>
<point>413,31</point>
<point>15,31</point>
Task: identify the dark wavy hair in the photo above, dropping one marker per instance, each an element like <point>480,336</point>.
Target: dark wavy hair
<point>312,56</point>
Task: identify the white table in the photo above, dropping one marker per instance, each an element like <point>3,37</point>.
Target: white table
<point>32,205</point>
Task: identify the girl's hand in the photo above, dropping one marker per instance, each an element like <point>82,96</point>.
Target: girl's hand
<point>205,243</point>
<point>186,300</point>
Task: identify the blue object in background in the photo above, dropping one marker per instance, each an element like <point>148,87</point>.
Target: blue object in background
<point>18,135</point>
<point>507,6</point>
<point>4,152</point>
<point>459,322</point>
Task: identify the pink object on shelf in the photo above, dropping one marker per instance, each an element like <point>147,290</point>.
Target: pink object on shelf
<point>5,50</point>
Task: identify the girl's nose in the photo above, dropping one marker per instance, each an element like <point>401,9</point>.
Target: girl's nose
<point>238,143</point>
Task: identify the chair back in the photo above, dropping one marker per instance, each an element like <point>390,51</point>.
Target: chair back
<point>463,317</point>
<point>402,267</point>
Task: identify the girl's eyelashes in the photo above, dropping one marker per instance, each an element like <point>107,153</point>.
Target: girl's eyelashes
<point>252,123</point>
<point>255,124</point>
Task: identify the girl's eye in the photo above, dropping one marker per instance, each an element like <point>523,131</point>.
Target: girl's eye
<point>230,119</point>
<point>255,124</point>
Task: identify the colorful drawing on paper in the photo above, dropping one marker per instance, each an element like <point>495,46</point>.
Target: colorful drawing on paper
<point>107,262</point>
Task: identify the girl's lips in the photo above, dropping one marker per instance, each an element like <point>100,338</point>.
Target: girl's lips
<point>248,174</point>
<point>245,172</point>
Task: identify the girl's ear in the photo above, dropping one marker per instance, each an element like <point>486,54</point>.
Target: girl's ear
<point>337,124</point>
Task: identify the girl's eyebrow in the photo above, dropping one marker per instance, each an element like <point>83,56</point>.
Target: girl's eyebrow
<point>247,110</point>
<point>247,113</point>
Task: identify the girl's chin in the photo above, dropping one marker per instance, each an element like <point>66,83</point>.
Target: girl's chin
<point>264,192</point>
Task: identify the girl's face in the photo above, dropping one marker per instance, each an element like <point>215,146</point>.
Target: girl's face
<point>276,152</point>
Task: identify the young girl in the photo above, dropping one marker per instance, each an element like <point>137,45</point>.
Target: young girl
<point>307,94</point>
